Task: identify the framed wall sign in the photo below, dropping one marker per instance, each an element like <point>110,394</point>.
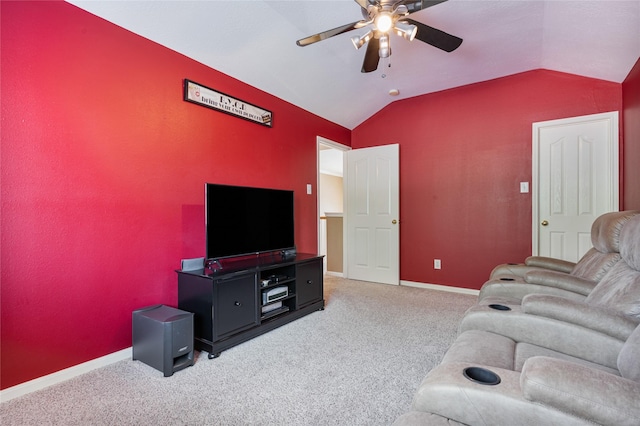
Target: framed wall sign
<point>207,97</point>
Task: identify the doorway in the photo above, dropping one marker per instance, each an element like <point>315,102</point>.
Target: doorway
<point>358,212</point>
<point>330,195</point>
<point>372,177</point>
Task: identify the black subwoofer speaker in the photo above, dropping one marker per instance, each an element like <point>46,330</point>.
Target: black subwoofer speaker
<point>163,338</point>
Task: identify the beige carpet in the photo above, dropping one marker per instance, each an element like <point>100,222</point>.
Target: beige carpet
<point>358,362</point>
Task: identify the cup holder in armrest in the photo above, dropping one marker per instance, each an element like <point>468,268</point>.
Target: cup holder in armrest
<point>499,307</point>
<point>481,375</point>
<point>507,279</point>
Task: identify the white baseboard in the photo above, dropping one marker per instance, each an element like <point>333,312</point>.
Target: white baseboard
<point>63,375</point>
<point>334,274</point>
<point>440,287</point>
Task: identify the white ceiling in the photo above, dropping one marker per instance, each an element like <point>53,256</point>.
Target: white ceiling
<point>254,41</point>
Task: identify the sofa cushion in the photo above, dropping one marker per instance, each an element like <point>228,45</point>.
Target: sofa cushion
<point>571,283</point>
<point>597,318</point>
<point>493,350</point>
<point>448,393</point>
<point>606,230</point>
<point>483,348</point>
<point>524,351</point>
<point>550,263</point>
<point>629,357</point>
<point>619,290</point>
<point>581,391</point>
<point>594,264</point>
<point>630,243</point>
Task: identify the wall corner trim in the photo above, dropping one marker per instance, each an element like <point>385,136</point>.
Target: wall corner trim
<point>63,375</point>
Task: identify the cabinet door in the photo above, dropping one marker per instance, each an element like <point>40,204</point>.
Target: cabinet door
<point>309,286</point>
<point>235,304</point>
<point>195,294</point>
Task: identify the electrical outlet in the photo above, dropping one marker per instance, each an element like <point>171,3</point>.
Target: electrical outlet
<point>436,264</point>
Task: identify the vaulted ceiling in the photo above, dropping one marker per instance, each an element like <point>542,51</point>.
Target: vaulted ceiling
<point>255,41</point>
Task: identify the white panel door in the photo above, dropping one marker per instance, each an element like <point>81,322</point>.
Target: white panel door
<point>372,214</point>
<point>577,181</point>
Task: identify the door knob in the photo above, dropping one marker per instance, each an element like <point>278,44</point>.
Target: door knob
<point>394,221</point>
<point>544,223</point>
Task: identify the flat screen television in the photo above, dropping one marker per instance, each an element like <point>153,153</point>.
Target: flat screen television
<point>242,220</point>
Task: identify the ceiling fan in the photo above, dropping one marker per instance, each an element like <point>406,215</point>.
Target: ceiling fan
<point>384,17</point>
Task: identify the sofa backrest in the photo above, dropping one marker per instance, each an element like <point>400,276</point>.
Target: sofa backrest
<point>630,243</point>
<point>595,264</point>
<point>605,231</point>
<point>605,237</point>
<point>619,289</point>
<point>629,357</point>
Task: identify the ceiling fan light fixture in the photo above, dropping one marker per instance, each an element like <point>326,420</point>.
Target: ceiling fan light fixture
<point>407,31</point>
<point>383,22</point>
<point>401,10</point>
<point>384,49</point>
<point>359,41</point>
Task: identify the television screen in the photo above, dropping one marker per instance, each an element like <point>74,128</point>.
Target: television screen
<point>243,220</point>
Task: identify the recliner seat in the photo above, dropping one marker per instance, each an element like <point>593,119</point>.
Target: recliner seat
<point>544,388</point>
<point>545,275</point>
<point>607,310</point>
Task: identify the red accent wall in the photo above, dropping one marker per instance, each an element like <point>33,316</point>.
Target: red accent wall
<point>103,172</point>
<point>463,153</point>
<point>631,126</point>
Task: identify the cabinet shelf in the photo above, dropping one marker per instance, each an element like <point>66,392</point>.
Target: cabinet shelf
<point>274,313</point>
<point>278,284</point>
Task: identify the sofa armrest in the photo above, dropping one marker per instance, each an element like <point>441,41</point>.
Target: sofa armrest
<point>579,313</point>
<point>510,269</point>
<point>560,280</point>
<point>550,263</point>
<point>585,392</point>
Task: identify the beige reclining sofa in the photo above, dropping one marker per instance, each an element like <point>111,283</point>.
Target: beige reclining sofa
<point>548,360</point>
<point>554,276</point>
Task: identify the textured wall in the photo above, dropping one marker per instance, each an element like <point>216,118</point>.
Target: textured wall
<point>103,172</point>
<point>463,153</point>
<point>631,125</point>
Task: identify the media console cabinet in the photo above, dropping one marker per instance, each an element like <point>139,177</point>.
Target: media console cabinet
<point>229,303</point>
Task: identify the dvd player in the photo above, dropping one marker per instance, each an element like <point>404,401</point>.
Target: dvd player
<point>274,294</point>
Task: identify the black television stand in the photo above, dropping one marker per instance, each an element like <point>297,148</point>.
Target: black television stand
<point>229,304</point>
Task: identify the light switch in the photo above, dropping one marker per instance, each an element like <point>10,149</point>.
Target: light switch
<point>524,187</point>
<point>309,189</point>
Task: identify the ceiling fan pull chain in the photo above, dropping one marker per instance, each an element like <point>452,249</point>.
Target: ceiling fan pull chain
<point>388,66</point>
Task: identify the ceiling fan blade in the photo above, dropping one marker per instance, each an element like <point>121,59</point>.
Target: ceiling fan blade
<point>372,56</point>
<point>416,5</point>
<point>435,37</point>
<point>363,3</point>
<point>330,33</point>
